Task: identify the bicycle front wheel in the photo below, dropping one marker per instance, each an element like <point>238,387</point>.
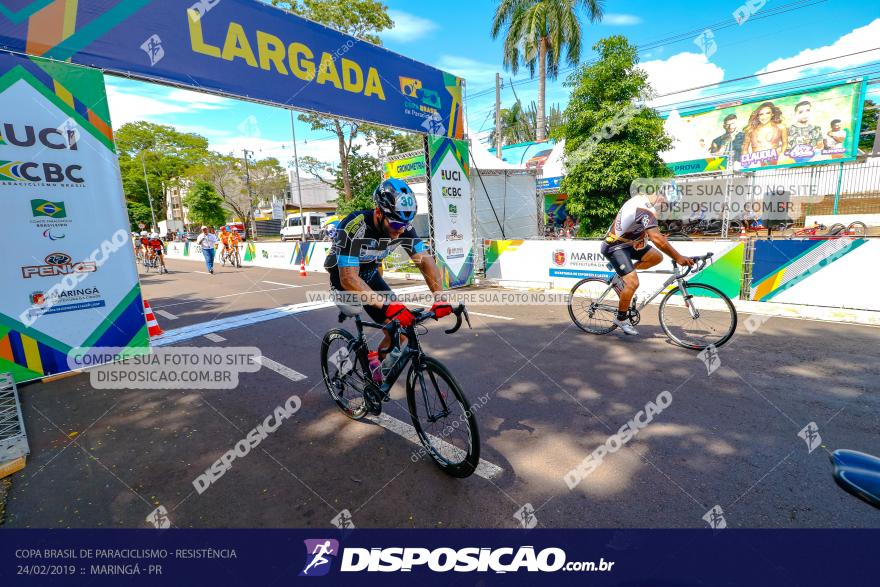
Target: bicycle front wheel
<point>702,318</point>
<point>592,305</point>
<point>443,418</point>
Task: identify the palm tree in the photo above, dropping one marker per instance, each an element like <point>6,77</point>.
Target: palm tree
<point>537,32</point>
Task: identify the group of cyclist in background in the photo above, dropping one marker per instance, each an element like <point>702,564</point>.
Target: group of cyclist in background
<point>149,248</point>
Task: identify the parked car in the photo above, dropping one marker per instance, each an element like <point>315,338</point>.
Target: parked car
<point>293,228</point>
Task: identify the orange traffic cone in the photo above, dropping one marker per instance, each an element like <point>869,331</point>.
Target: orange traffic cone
<point>152,326</point>
<point>302,270</point>
<point>742,232</point>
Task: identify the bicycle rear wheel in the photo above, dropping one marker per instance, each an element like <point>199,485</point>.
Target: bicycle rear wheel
<point>592,305</point>
<point>857,229</point>
<point>703,318</point>
<point>443,418</point>
<point>344,375</point>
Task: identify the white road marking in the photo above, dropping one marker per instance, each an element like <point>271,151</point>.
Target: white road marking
<point>485,469</point>
<point>199,300</point>
<point>473,313</point>
<point>281,369</point>
<point>167,315</point>
<point>279,283</point>
<point>214,337</point>
<point>189,332</point>
<point>202,272</point>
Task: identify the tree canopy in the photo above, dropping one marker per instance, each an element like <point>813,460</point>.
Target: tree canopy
<point>611,139</point>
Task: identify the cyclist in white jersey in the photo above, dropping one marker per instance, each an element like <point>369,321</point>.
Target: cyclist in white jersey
<point>627,249</point>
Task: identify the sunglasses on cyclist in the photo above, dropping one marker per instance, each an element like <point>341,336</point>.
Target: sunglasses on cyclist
<point>395,225</point>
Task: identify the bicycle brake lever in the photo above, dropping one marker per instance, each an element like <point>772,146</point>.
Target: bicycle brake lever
<point>458,312</point>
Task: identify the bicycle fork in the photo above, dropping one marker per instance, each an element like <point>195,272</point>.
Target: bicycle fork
<point>692,310</point>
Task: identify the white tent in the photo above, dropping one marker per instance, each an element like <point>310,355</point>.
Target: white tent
<point>505,197</point>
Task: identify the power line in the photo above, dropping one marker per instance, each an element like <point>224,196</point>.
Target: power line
<point>677,38</point>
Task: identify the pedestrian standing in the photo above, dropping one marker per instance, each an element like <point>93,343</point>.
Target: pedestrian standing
<point>207,241</point>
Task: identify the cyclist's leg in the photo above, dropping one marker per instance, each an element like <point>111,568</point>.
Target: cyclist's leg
<point>378,285</point>
<point>648,257</point>
<point>622,260</point>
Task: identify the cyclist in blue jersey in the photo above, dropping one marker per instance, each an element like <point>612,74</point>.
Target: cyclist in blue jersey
<point>363,239</point>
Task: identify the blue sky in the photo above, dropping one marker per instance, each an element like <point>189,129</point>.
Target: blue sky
<point>455,37</point>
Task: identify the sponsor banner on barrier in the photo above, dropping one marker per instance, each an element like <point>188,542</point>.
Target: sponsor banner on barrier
<point>241,48</point>
<point>271,254</point>
<point>451,210</point>
<point>559,264</point>
<point>426,557</point>
<point>818,272</point>
<point>70,280</point>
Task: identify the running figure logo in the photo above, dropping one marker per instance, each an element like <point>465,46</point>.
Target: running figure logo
<point>319,554</point>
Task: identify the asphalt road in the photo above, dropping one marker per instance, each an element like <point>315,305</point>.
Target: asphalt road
<point>549,394</point>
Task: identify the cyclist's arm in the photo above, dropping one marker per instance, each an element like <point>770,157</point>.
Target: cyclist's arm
<point>662,243</point>
<point>428,267</point>
<point>418,252</point>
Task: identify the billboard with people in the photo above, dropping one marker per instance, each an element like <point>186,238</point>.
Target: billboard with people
<point>820,125</point>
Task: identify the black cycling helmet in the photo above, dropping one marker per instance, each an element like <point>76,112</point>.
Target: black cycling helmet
<point>396,200</point>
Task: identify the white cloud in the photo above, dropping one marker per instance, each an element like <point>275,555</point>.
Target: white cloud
<point>858,39</point>
<point>616,19</point>
<point>478,74</point>
<point>129,102</point>
<point>408,27</point>
<point>680,72</point>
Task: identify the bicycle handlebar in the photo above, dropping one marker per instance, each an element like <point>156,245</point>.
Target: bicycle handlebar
<point>423,315</point>
<point>700,264</point>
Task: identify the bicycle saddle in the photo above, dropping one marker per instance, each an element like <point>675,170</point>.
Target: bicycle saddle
<point>858,473</point>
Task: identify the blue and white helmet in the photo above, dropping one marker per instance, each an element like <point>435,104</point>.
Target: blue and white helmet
<point>396,200</point>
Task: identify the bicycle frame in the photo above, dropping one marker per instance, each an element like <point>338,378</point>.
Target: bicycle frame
<point>677,277</point>
<point>412,352</point>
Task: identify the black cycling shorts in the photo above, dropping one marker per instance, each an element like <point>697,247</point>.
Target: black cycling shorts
<point>624,259</point>
<point>375,282</point>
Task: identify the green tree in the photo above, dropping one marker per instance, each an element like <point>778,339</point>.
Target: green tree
<point>518,124</point>
<point>365,176</point>
<point>166,153</point>
<point>537,34</point>
<point>204,205</point>
<point>363,19</point>
<point>869,126</point>
<point>609,140</point>
<point>137,212</point>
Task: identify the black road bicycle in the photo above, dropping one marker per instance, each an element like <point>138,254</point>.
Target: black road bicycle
<point>440,412</point>
<point>693,315</point>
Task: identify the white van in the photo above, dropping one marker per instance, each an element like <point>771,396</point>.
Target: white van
<point>293,229</point>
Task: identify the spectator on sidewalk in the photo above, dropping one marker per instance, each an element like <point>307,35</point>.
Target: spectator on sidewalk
<point>207,241</point>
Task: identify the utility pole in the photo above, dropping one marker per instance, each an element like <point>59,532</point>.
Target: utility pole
<point>247,179</point>
<point>302,219</point>
<point>149,196</point>
<point>498,115</point>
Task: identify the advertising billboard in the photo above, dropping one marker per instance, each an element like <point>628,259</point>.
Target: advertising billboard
<point>820,125</point>
<point>68,274</point>
<point>240,48</point>
<point>451,211</point>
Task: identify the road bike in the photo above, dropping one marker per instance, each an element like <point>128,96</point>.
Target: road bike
<point>441,414</point>
<point>693,315</point>
<point>151,262</point>
<point>232,256</point>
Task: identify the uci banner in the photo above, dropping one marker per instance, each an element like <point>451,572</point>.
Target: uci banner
<point>451,211</point>
<point>240,48</point>
<point>68,275</point>
<point>819,125</point>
